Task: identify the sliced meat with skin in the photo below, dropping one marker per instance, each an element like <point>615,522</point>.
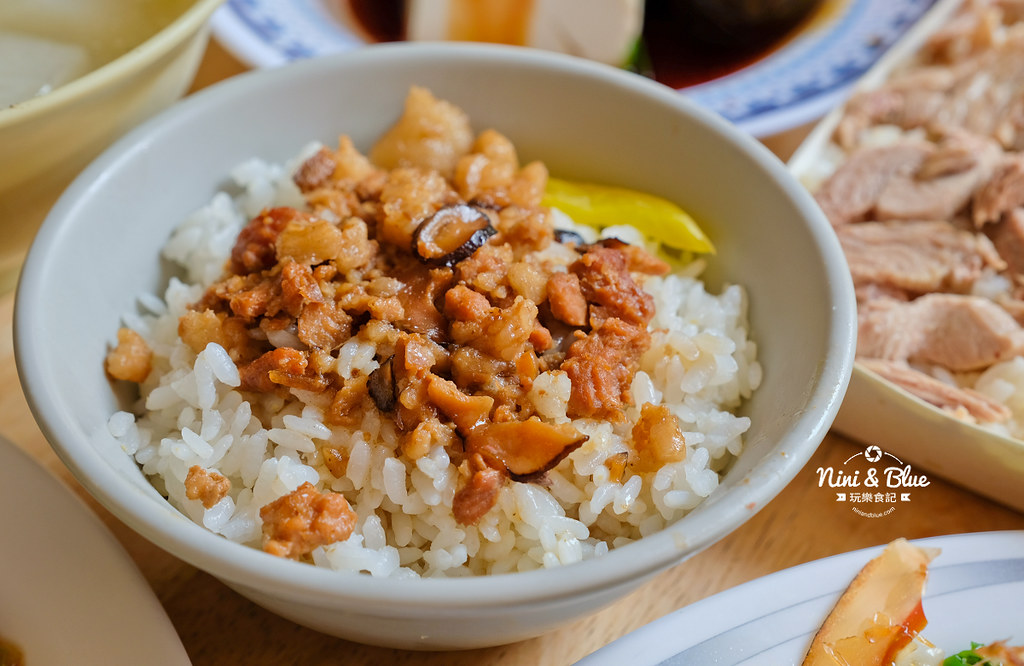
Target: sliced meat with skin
<point>979,92</point>
<point>907,197</point>
<point>961,333</point>
<point>907,100</point>
<point>1008,239</point>
<point>938,393</point>
<point>960,150</point>
<point>944,182</point>
<point>992,108</point>
<point>916,257</point>
<point>871,291</point>
<point>1001,194</point>
<point>1014,306</point>
<point>853,190</point>
<point>964,34</point>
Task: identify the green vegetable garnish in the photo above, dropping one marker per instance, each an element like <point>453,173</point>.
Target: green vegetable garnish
<point>603,206</point>
<point>965,658</point>
<point>639,60</point>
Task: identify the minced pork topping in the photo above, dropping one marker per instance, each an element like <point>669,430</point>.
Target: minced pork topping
<point>453,271</point>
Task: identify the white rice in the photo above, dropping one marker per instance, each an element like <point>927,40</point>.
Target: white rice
<point>701,364</point>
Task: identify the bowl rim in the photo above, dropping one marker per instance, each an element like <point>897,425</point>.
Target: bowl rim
<point>248,567</point>
<point>132,61</point>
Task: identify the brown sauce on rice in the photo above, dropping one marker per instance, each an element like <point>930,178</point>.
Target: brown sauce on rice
<point>435,251</point>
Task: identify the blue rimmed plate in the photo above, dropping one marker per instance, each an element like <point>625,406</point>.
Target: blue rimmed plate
<point>800,80</point>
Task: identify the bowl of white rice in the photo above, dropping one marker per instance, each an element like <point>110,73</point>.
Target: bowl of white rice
<point>596,406</point>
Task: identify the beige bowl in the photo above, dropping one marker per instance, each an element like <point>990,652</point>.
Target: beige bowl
<point>47,140</point>
<point>588,122</point>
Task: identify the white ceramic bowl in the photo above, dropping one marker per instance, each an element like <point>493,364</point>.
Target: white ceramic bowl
<point>99,249</point>
<point>47,140</point>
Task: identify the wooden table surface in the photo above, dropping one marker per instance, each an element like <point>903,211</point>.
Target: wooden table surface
<point>217,626</point>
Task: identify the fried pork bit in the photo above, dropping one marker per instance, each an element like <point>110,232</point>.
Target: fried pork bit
<point>357,250</point>
<point>199,328</point>
<point>131,360</point>
<point>296,524</point>
<point>425,436</point>
<point>206,486</point>
<point>414,358</point>
<point>657,439</point>
<point>349,402</point>
<point>616,464</point>
<point>487,270</point>
<point>409,196</point>
<point>607,284</point>
<point>298,287</point>
<point>601,366</point>
<point>351,166</point>
<point>566,299</point>
<point>335,460</point>
<point>488,169</point>
<point>431,134</point>
<point>310,242</point>
<point>323,326</point>
<point>463,304</point>
<point>526,449</point>
<point>502,333</point>
<point>638,259</point>
<point>528,280</point>
<point>525,229</point>
<point>479,493</point>
<point>255,248</point>
<point>260,375</point>
<point>490,174</point>
<point>317,171</point>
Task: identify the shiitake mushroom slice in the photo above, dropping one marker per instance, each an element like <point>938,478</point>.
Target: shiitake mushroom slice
<point>567,237</point>
<point>451,234</point>
<point>526,449</point>
<point>381,386</point>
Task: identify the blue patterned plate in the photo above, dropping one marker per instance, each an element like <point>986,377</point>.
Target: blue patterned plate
<point>973,594</point>
<point>800,80</point>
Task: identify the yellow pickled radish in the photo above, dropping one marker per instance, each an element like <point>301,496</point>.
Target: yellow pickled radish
<point>603,206</point>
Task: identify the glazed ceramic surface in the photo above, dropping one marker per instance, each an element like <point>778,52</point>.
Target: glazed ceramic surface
<point>99,249</point>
